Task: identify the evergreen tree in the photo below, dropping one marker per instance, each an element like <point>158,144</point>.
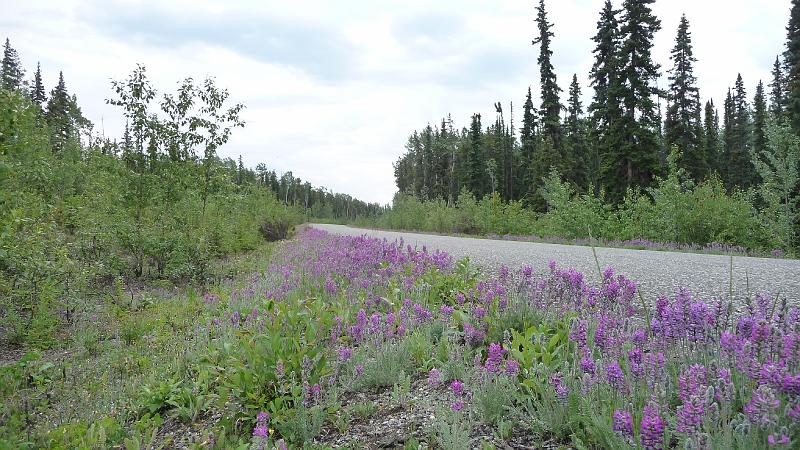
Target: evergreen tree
<point>550,110</point>
<point>634,160</point>
<point>605,111</point>
<point>575,146</point>
<point>419,164</point>
<point>427,162</point>
<point>791,59</point>
<point>683,127</point>
<point>759,120</point>
<point>778,90</point>
<point>711,136</point>
<point>527,139</point>
<point>728,139</point>
<point>477,174</point>
<point>741,172</point>
<point>37,89</point>
<point>58,116</point>
<point>11,72</point>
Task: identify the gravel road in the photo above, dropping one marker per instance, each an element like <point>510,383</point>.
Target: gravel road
<point>656,272</point>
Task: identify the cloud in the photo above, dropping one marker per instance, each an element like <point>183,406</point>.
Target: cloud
<point>333,89</point>
<point>318,50</point>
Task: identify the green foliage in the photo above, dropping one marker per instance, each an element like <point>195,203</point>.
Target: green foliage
<point>387,366</point>
<point>494,397</point>
<point>450,429</point>
<point>673,210</point>
<point>542,346</point>
<point>778,166</point>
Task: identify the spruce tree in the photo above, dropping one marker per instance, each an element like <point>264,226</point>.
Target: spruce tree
<point>605,111</point>
<point>791,59</point>
<point>683,127</point>
<point>477,163</point>
<point>58,116</point>
<point>527,139</point>
<point>711,136</point>
<point>427,162</point>
<point>759,120</point>
<point>728,139</point>
<point>37,89</point>
<point>575,148</point>
<point>634,161</point>
<point>778,91</point>
<point>11,72</point>
<point>740,168</point>
<point>550,110</point>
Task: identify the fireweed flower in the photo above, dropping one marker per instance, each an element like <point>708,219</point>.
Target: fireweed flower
<point>494,358</point>
<point>762,407</point>
<point>457,387</point>
<point>446,311</point>
<point>588,365</point>
<point>561,393</point>
<point>556,380</point>
<point>616,377</point>
<point>434,378</point>
<point>652,429</point>
<point>457,405</point>
<point>692,381</point>
<point>512,367</point>
<point>345,353</point>
<point>773,440</point>
<point>262,425</point>
<point>690,415</point>
<point>623,424</point>
<point>578,332</point>
<point>473,336</point>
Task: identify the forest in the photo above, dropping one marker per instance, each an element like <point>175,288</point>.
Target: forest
<point>635,152</point>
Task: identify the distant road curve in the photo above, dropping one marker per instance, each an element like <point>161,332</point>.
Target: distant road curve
<point>656,272</point>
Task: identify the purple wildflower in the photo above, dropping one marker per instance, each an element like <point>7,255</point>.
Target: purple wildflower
<point>588,365</point>
<point>512,367</point>
<point>623,424</point>
<point>434,378</point>
<point>690,415</point>
<point>262,425</point>
<point>616,377</point>
<point>345,353</point>
<point>652,429</point>
<point>457,405</point>
<point>457,387</point>
<point>494,358</point>
<point>762,407</point>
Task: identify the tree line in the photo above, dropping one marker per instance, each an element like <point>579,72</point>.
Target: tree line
<point>621,141</point>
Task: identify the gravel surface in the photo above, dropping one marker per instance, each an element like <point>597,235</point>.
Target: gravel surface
<point>656,272</point>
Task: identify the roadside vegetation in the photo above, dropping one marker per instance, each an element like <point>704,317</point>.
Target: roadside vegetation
<point>445,356</point>
<point>675,214</point>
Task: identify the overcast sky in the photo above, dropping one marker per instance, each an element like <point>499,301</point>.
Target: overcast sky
<point>334,88</point>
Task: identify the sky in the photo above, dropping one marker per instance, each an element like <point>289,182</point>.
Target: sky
<point>333,88</point>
